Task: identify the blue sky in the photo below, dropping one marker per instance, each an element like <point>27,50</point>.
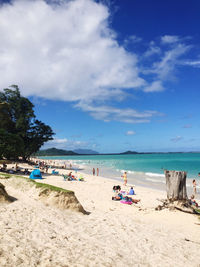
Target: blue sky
<point>107,75</point>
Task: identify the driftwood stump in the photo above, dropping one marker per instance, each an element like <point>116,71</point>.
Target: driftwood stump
<point>176,185</point>
<point>177,193</point>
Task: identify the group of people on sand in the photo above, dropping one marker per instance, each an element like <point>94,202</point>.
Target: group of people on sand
<point>14,169</point>
<point>71,177</point>
<point>124,196</point>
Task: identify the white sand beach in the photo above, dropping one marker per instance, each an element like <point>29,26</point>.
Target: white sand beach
<point>34,233</point>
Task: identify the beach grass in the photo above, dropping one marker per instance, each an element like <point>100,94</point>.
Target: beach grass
<point>5,176</point>
<point>37,185</point>
<point>51,187</point>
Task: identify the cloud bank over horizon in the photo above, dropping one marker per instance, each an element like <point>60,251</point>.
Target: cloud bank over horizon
<point>66,50</point>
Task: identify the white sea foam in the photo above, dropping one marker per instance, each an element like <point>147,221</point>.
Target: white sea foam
<point>155,181</point>
<point>131,172</point>
<point>151,174</point>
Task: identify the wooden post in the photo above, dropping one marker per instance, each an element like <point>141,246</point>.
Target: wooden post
<point>176,185</point>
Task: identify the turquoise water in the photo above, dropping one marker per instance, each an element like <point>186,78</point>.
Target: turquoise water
<point>148,164</point>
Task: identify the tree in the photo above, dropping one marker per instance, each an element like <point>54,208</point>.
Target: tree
<point>5,120</point>
<point>36,136</point>
<point>11,145</point>
<point>18,124</point>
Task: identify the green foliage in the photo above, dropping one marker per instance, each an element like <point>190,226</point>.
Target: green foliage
<point>11,145</point>
<point>20,133</point>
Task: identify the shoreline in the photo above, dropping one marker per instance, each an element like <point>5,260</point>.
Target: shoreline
<point>134,178</point>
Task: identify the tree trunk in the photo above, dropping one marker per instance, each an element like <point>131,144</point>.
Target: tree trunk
<point>176,185</point>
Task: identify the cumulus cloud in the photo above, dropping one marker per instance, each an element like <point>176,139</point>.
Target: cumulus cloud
<point>130,133</point>
<point>65,51</point>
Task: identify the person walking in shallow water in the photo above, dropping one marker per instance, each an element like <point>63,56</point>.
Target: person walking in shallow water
<point>124,176</point>
<point>97,171</point>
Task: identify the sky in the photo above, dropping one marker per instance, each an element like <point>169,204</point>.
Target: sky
<point>112,75</point>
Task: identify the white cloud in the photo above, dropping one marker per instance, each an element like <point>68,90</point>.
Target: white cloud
<point>130,133</point>
<point>152,50</point>
<point>166,67</point>
<point>176,139</point>
<point>132,39</point>
<point>170,39</point>
<point>59,141</point>
<point>67,144</point>
<point>195,63</point>
<point>65,52</point>
<point>156,86</point>
<point>127,115</point>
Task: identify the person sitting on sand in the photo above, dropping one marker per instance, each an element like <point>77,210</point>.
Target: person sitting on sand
<point>4,167</point>
<point>117,196</point>
<point>131,192</point>
<point>116,188</point>
<point>193,202</point>
<point>26,172</point>
<point>12,171</point>
<point>72,177</point>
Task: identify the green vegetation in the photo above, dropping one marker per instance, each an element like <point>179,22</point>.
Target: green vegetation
<point>197,211</point>
<point>54,152</point>
<point>4,176</point>
<point>52,188</point>
<point>21,134</point>
<point>37,185</point>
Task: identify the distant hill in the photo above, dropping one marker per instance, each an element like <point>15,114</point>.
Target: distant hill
<point>86,151</point>
<point>54,152</point>
<point>128,152</point>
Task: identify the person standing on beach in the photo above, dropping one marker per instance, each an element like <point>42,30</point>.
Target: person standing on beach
<point>93,171</point>
<point>97,171</point>
<point>194,187</point>
<point>124,176</point>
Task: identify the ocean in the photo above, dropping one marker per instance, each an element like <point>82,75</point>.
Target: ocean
<point>142,169</point>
